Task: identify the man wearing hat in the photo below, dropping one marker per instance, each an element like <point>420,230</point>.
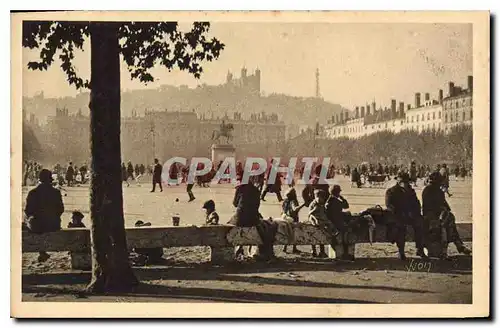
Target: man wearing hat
<point>440,220</point>
<point>335,206</point>
<point>44,207</point>
<point>402,201</point>
<point>157,175</point>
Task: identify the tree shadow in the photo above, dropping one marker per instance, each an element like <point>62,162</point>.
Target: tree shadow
<point>186,274</point>
<point>461,265</point>
<point>194,293</point>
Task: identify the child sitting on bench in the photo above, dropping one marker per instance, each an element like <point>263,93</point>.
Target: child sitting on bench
<point>76,220</point>
<point>211,218</point>
<point>318,216</point>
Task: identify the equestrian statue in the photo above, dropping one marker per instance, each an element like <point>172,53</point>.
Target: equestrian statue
<point>225,130</point>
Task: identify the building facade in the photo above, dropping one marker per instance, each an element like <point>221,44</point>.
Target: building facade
<point>457,107</point>
<point>426,117</point>
<point>165,134</point>
<point>440,114</point>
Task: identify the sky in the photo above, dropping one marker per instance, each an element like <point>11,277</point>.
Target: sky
<point>358,62</point>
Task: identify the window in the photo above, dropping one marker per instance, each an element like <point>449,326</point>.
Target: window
<point>471,114</point>
<point>451,118</point>
<point>412,119</point>
<point>434,126</point>
<point>456,116</point>
<point>418,118</point>
<point>428,116</point>
<point>434,115</point>
<point>439,126</point>
<point>463,116</point>
<point>456,104</point>
<point>423,117</point>
<point>439,115</point>
<point>445,118</point>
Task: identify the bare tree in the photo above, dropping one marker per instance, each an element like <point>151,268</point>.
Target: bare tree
<point>142,45</point>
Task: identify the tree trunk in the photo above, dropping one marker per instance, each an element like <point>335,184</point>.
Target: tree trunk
<point>111,270</point>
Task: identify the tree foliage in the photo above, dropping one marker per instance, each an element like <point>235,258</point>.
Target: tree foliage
<point>428,147</point>
<point>142,46</point>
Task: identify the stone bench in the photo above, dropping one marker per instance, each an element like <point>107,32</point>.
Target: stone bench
<point>221,239</point>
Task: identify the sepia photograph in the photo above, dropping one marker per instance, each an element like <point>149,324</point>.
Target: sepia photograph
<point>320,164</point>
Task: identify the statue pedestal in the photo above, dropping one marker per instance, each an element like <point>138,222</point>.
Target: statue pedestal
<point>220,152</point>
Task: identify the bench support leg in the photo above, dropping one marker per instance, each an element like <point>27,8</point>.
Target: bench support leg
<point>80,261</point>
<point>221,255</point>
<point>338,252</point>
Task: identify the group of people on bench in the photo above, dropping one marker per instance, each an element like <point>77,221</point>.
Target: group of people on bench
<point>326,205</point>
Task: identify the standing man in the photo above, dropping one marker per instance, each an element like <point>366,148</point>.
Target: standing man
<point>272,186</point>
<point>247,202</point>
<point>335,206</point>
<point>157,175</point>
<point>124,174</point>
<point>445,179</point>
<point>26,173</point>
<point>190,184</point>
<point>130,171</point>
<point>83,173</point>
<point>402,201</point>
<point>70,174</point>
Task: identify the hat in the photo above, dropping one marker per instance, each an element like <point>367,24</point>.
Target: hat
<point>291,193</point>
<point>142,224</point>
<point>335,188</point>
<point>77,215</point>
<point>403,177</point>
<point>434,177</point>
<point>209,205</point>
<point>320,192</point>
<point>45,176</point>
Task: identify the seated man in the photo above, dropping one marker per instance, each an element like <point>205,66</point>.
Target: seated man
<point>44,207</point>
<point>439,219</point>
